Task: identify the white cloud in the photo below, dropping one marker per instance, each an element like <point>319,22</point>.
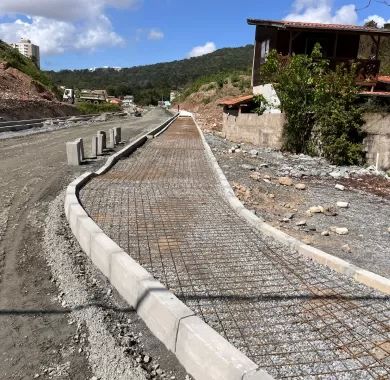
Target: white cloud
<point>65,10</point>
<point>321,11</point>
<point>207,48</point>
<point>378,19</point>
<point>62,25</point>
<point>155,34</point>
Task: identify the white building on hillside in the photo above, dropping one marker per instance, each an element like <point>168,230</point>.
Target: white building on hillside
<point>28,49</point>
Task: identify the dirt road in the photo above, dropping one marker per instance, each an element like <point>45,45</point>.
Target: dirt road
<point>36,333</point>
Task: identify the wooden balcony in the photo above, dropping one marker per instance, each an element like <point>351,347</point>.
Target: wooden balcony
<point>367,69</point>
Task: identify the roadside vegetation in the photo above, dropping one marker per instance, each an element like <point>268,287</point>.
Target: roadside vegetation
<point>321,105</point>
<point>152,83</point>
<point>215,84</point>
<point>90,108</point>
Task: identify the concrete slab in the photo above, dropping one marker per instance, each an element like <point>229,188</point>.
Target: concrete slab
<point>100,145</point>
<point>161,311</point>
<point>207,355</point>
<point>118,135</point>
<point>73,153</point>
<point>94,146</point>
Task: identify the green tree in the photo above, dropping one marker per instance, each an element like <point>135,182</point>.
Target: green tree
<point>320,104</point>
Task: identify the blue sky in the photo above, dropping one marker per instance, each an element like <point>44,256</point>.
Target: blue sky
<point>95,33</point>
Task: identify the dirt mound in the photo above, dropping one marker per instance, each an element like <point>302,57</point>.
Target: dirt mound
<point>16,109</point>
<point>21,97</point>
<point>16,85</point>
<point>204,103</point>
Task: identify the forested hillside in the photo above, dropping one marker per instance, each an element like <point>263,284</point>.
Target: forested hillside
<point>152,82</point>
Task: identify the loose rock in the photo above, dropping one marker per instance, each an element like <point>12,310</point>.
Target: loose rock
<point>316,210</point>
<point>300,186</point>
<point>253,152</point>
<point>248,167</point>
<point>285,181</point>
<point>301,223</point>
<point>325,233</point>
<point>256,176</point>
<point>343,204</point>
<point>341,231</point>
<point>340,187</point>
<point>346,248</point>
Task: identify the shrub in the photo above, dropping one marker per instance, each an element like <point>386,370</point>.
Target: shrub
<point>323,117</point>
<point>90,108</point>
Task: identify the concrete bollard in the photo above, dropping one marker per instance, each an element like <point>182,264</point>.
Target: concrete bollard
<point>111,143</point>
<point>81,148</point>
<point>73,153</point>
<point>104,138</point>
<point>100,149</point>
<point>94,145</point>
<point>118,135</point>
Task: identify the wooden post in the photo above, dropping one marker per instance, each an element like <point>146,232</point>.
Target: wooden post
<point>377,48</point>
<point>335,45</point>
<point>256,60</point>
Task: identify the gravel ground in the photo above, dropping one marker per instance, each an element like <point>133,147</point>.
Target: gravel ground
<point>295,318</point>
<point>111,333</point>
<point>255,181</point>
<point>36,333</point>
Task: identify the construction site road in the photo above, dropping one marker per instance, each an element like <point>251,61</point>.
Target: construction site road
<point>39,332</point>
<point>296,319</point>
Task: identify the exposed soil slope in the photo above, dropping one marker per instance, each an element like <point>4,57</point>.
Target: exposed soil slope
<point>22,97</point>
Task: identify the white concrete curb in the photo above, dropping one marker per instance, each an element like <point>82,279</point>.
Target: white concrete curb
<point>358,274</point>
<point>202,351</point>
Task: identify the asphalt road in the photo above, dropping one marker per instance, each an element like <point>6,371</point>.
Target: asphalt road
<point>35,331</point>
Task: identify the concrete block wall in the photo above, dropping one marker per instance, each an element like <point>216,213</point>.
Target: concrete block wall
<point>377,142</point>
<point>264,130</point>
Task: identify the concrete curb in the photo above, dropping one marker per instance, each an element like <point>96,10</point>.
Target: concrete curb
<point>201,350</point>
<point>363,276</point>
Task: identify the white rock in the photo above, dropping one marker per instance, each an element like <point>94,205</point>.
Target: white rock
<point>325,233</point>
<point>300,186</point>
<point>301,223</point>
<point>253,152</point>
<point>285,181</point>
<point>316,209</point>
<point>335,174</point>
<point>343,204</point>
<point>341,231</point>
<point>340,187</point>
<point>346,248</point>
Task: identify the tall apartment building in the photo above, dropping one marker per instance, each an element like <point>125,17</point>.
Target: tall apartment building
<point>28,49</point>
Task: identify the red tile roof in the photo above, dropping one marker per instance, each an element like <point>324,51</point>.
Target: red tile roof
<point>319,26</point>
<point>384,79</point>
<point>235,101</point>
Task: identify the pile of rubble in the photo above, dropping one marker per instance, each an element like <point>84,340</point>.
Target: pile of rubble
<point>342,210</point>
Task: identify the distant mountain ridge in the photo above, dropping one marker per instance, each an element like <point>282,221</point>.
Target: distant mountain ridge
<point>152,82</point>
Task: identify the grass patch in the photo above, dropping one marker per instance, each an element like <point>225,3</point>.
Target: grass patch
<point>90,108</point>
